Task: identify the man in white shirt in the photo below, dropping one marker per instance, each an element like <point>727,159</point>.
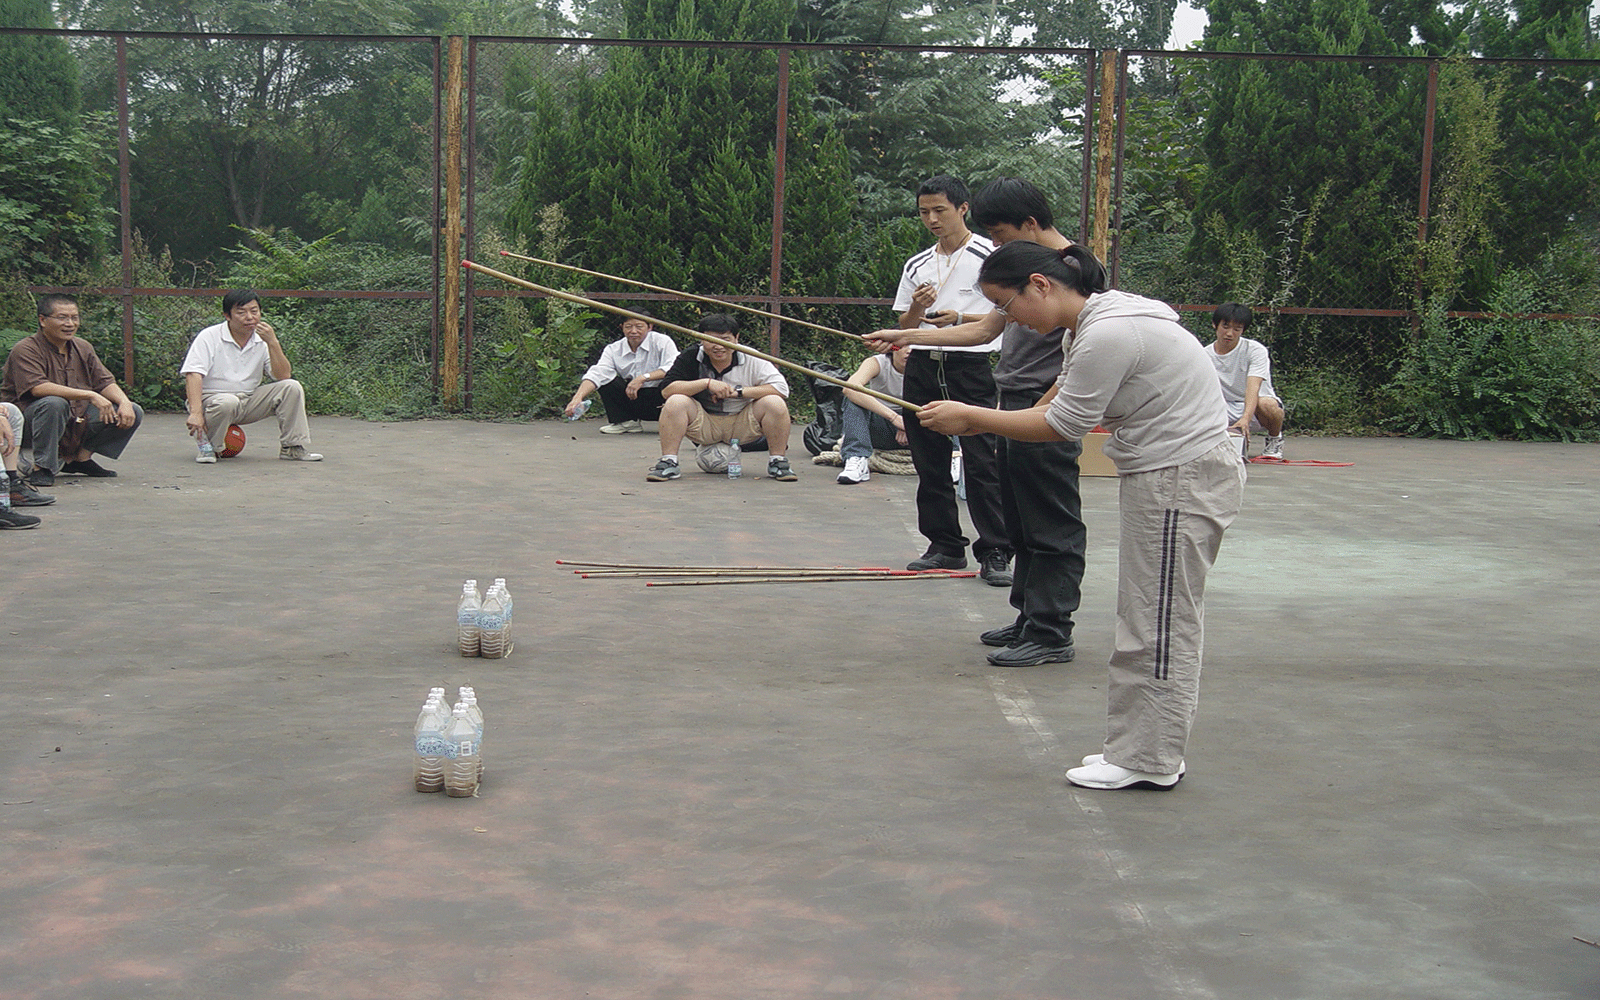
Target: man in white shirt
<point>628,377</point>
<point>222,380</point>
<point>939,287</point>
<point>717,395</point>
<point>1244,368</point>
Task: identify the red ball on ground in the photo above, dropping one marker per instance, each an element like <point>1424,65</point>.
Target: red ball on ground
<point>232,442</point>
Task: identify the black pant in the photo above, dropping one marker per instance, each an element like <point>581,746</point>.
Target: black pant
<point>1044,515</point>
<point>45,422</point>
<point>965,378</point>
<point>619,408</point>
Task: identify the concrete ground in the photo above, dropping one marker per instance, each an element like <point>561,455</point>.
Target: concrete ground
<point>815,790</point>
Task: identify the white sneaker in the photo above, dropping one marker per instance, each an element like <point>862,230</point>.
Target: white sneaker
<point>1110,776</point>
<point>855,471</point>
<point>1274,448</point>
<point>623,428</point>
<point>206,458</point>
<point>1100,758</point>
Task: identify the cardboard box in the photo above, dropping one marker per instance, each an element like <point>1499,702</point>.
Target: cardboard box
<point>1094,461</point>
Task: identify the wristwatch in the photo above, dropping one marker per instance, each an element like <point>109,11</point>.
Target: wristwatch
<point>738,390</point>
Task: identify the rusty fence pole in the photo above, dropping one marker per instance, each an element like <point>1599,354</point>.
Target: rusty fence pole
<point>125,208</point>
<point>450,377</point>
<point>1424,189</point>
<point>778,175</point>
<point>1104,154</point>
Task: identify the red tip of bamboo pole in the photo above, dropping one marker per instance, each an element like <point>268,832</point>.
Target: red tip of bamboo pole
<point>505,253</point>
<point>468,263</point>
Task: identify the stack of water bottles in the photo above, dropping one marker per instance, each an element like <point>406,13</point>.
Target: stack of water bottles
<point>449,744</point>
<point>483,622</point>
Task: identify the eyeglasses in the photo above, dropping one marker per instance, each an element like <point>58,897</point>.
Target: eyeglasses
<point>1002,309</point>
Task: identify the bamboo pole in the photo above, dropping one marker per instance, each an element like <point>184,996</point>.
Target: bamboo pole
<point>639,574</point>
<point>702,337</point>
<point>685,295</point>
<point>809,579</point>
<point>776,569</point>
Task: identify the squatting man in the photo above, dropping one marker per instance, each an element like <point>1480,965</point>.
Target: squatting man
<point>222,380</point>
<point>716,394</point>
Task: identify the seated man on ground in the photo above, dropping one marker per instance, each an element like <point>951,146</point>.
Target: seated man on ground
<point>72,406</point>
<point>18,491</point>
<point>628,377</point>
<point>870,424</point>
<point>1245,370</point>
<point>716,394</point>
<point>222,380</point>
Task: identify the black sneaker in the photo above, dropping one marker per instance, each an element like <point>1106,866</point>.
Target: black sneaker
<point>778,468</point>
<point>1031,654</point>
<point>1002,636</point>
<point>41,477</point>
<point>996,569</point>
<point>936,560</point>
<point>24,495</point>
<point>12,519</point>
<point>89,467</point>
<point>663,471</point>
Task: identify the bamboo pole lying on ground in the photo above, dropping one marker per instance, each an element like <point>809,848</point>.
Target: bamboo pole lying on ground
<point>779,569</point>
<point>638,574</point>
<point>686,295</point>
<point>703,337</point>
<point>809,579</point>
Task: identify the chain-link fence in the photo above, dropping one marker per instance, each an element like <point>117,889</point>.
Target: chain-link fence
<point>1413,233</point>
<point>304,166</point>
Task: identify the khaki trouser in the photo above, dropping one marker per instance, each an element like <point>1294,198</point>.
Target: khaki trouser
<point>285,398</point>
<point>1172,525</point>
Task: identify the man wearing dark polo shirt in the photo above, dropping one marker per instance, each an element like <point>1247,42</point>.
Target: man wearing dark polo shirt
<point>72,406</point>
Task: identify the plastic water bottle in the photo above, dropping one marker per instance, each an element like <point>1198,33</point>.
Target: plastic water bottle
<point>505,599</point>
<point>467,618</point>
<point>470,699</point>
<point>208,454</point>
<point>429,734</point>
<point>461,755</point>
<point>735,465</point>
<point>5,492</point>
<point>583,408</point>
<point>492,626</point>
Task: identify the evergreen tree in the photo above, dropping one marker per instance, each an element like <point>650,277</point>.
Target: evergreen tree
<point>38,76</point>
<point>1310,163</point>
<point>663,160</point>
<point>52,173</point>
<point>1550,172</point>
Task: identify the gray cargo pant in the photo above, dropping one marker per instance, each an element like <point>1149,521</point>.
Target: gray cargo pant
<point>1172,525</point>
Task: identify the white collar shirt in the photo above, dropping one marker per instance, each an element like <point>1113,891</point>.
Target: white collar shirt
<point>223,365</point>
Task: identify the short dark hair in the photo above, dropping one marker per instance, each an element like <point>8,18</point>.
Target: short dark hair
<point>641,313</point>
<point>720,324</point>
<point>946,185</point>
<point>238,297</point>
<point>48,303</point>
<point>1011,201</point>
<point>1232,312</point>
<point>1075,267</point>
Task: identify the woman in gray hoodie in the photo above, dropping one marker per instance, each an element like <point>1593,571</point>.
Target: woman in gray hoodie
<point>1132,368</point>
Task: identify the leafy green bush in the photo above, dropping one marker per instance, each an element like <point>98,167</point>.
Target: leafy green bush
<point>1507,377</point>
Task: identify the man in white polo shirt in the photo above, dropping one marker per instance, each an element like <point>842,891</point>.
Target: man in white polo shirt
<point>938,288</point>
<point>223,373</point>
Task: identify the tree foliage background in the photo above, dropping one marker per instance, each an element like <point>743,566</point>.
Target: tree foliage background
<point>1288,184</point>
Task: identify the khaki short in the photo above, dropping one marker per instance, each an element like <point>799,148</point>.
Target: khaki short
<point>708,428</point>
